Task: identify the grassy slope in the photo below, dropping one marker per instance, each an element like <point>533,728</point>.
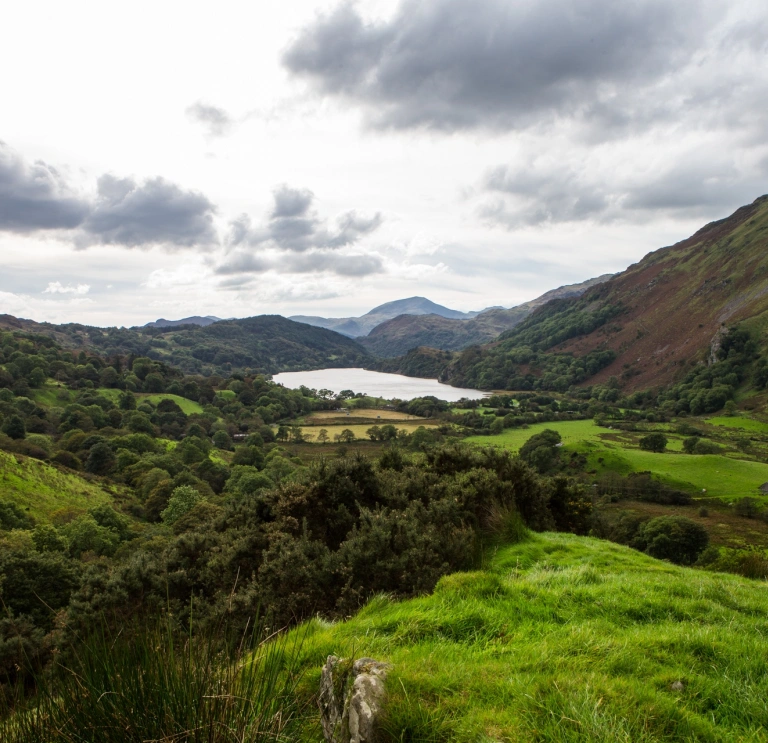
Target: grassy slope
<point>722,477</point>
<point>566,638</point>
<point>740,422</point>
<point>41,489</point>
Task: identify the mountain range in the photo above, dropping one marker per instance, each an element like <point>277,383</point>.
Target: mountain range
<point>407,331</point>
<point>355,327</point>
<point>649,326</point>
<point>646,326</point>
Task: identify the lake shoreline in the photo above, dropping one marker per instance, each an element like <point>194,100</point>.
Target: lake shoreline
<point>376,384</point>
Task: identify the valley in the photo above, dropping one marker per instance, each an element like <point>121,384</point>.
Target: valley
<point>265,465</point>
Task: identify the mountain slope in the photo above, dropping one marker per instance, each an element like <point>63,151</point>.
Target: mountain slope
<point>401,334</point>
<point>264,344</point>
<point>361,326</point>
<point>648,324</point>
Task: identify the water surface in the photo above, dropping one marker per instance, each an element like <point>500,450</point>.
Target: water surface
<point>376,384</point>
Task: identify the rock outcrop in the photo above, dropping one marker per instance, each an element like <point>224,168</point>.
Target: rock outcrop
<point>352,696</point>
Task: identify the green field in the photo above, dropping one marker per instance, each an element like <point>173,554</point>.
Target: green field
<point>571,432</point>
<point>188,407</point>
<point>566,639</point>
<point>52,395</point>
<point>40,489</point>
<point>360,430</point>
<point>746,424</point>
<point>722,477</point>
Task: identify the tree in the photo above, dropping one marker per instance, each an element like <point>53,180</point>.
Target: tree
<point>689,444</point>
<point>322,435</point>
<point>37,377</point>
<point>101,459</point>
<point>183,499</point>
<point>540,451</point>
<point>374,433</point>
<point>654,442</point>
<point>14,427</point>
<point>347,436</point>
<point>673,538</point>
<point>127,401</point>
<point>221,440</point>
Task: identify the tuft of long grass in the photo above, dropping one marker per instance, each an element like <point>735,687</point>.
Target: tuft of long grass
<point>149,687</point>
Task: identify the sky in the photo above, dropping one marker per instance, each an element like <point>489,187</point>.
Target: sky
<point>167,159</point>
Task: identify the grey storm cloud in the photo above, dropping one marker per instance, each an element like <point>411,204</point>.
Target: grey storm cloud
<point>293,225</point>
<point>35,197</point>
<point>155,212</point>
<point>216,121</point>
<point>459,64</point>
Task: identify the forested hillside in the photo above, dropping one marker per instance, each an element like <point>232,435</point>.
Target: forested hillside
<point>265,344</point>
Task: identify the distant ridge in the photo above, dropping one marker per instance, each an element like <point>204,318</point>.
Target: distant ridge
<point>194,320</point>
<point>356,327</point>
<point>401,334</point>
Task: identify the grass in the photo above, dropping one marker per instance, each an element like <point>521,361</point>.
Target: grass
<point>384,415</point>
<point>147,686</point>
<point>188,407</point>
<point>52,395</point>
<point>746,424</point>
<point>571,432</point>
<point>563,639</point>
<point>722,477</point>
<point>41,490</point>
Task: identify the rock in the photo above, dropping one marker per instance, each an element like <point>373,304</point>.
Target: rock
<point>677,686</point>
<point>763,488</point>
<point>351,699</point>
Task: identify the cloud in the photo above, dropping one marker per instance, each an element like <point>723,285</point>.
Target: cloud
<point>541,194</point>
<point>35,196</point>
<point>291,202</point>
<point>56,287</point>
<point>293,225</point>
<point>457,64</point>
<point>551,189</point>
<point>343,265</point>
<point>217,121</point>
<point>156,212</point>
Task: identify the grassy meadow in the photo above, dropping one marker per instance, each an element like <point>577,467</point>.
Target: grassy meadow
<point>40,489</point>
<point>707,475</point>
<point>566,638</point>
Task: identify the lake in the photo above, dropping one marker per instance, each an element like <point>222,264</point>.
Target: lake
<point>375,384</point>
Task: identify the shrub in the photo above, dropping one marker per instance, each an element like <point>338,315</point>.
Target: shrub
<point>14,427</point>
<point>747,507</point>
<point>673,538</point>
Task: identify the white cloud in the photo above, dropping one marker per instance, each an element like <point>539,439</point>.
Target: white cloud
<point>56,287</point>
